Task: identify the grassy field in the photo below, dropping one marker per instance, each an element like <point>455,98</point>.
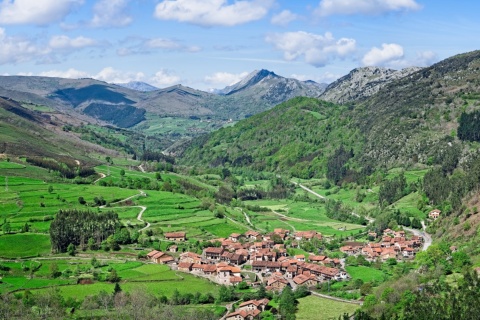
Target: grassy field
<point>366,274</point>
<point>316,308</point>
<point>408,205</point>
<point>24,245</point>
<point>299,215</point>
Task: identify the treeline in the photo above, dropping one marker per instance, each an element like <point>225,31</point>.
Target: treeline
<point>151,155</point>
<point>392,190</point>
<point>446,191</point>
<point>68,168</point>
<point>469,126</point>
<point>118,304</point>
<point>77,227</point>
<point>337,164</point>
<point>336,210</point>
<point>279,189</point>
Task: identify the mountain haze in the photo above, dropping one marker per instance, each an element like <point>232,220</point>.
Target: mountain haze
<point>130,104</point>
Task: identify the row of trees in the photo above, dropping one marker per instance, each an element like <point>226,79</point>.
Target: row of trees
<point>67,169</point>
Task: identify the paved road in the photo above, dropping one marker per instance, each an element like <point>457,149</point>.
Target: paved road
<point>427,238</point>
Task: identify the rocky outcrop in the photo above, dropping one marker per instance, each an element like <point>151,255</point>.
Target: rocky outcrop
<point>362,83</point>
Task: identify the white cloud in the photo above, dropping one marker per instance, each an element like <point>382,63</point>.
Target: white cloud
<point>392,56</point>
<point>164,78</point>
<point>368,7</point>
<point>39,12</point>
<point>284,18</point>
<point>317,50</point>
<point>213,12</point>
<point>425,58</point>
<point>112,75</point>
<point>63,42</point>
<point>326,77</point>
<point>110,13</point>
<point>70,74</point>
<point>16,49</point>
<point>389,53</point>
<point>222,79</point>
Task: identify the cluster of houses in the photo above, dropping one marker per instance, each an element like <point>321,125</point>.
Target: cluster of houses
<point>248,310</point>
<point>268,261</point>
<point>393,244</point>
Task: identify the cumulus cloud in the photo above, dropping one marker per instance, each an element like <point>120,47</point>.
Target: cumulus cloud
<point>39,12</point>
<point>110,13</point>
<point>392,56</point>
<point>112,75</point>
<point>70,74</point>
<point>213,12</point>
<point>164,78</point>
<point>317,50</point>
<point>284,18</point>
<point>367,7</point>
<point>63,42</point>
<point>16,49</point>
<point>145,46</point>
<point>389,53</point>
<point>222,79</point>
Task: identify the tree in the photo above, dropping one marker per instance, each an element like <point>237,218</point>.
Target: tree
<point>81,200</point>
<point>6,228</point>
<point>122,173</point>
<point>287,304</point>
<point>54,271</point>
<point>116,289</point>
<point>113,276</point>
<point>71,249</point>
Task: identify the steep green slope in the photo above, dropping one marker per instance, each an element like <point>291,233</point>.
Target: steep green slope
<point>293,137</point>
<point>411,121</point>
<point>27,133</point>
<point>407,121</point>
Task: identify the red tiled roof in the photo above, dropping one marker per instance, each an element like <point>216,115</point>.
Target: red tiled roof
<point>174,234</point>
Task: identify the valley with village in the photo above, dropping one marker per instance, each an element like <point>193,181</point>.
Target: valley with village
<point>239,160</point>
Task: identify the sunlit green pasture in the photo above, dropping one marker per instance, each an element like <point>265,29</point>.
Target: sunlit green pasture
<point>24,245</point>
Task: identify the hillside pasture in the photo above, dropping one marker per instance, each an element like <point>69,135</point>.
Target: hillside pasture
<point>24,245</point>
<point>316,308</point>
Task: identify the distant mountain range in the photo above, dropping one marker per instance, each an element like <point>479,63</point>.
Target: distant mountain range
<point>138,86</point>
<point>126,105</point>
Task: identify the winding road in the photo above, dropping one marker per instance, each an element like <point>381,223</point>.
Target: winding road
<point>102,175</point>
<point>143,208</point>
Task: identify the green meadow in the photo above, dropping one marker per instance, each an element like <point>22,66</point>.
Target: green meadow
<point>316,308</point>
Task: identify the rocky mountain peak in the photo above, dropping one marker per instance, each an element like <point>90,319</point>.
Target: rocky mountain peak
<point>361,83</point>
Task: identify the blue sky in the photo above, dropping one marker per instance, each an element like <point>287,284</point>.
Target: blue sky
<point>208,44</point>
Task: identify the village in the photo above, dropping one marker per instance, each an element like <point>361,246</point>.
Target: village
<point>256,259</point>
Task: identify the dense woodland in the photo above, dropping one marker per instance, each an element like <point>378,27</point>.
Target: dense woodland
<point>79,228</point>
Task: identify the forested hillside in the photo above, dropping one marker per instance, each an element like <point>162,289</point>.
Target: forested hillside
<point>294,137</point>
